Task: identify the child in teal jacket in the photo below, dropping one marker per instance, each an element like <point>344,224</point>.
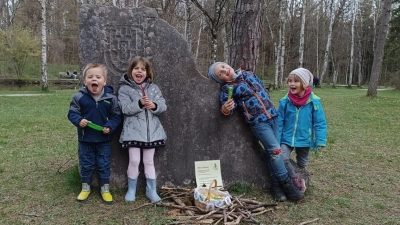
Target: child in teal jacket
<point>302,123</point>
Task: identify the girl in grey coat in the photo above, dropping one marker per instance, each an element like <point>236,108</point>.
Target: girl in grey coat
<point>141,103</point>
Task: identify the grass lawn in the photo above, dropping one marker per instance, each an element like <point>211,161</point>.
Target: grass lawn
<point>355,180</point>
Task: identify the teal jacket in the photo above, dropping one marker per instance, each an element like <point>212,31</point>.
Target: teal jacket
<point>302,127</point>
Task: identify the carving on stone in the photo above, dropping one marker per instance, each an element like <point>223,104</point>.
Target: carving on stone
<point>123,42</point>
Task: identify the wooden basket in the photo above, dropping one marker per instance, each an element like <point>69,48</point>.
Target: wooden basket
<point>205,201</point>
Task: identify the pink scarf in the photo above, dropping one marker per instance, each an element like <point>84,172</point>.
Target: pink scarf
<point>300,101</point>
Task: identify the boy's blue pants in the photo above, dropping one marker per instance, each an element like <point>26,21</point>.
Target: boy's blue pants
<point>95,156</point>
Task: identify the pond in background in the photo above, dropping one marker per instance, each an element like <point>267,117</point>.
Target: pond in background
<point>36,87</point>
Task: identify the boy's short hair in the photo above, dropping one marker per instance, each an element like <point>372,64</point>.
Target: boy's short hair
<point>95,65</point>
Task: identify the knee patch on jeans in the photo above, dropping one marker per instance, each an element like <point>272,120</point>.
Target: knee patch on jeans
<point>276,151</point>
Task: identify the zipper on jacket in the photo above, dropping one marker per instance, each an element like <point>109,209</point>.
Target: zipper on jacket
<point>147,124</point>
<point>295,125</point>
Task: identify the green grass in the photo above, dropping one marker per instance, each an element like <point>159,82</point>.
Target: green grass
<point>355,180</point>
<point>33,70</point>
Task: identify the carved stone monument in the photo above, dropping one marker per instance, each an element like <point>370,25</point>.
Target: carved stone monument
<point>195,127</point>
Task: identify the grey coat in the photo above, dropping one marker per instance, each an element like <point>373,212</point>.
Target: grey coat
<point>140,124</point>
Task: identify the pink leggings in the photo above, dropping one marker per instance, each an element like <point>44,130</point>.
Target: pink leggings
<point>148,162</point>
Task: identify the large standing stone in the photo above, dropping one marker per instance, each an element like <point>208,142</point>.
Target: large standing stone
<point>195,128</point>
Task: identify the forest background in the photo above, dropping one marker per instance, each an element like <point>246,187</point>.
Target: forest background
<point>335,39</point>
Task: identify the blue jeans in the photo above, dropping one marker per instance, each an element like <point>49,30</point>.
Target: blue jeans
<point>302,158</point>
<point>266,132</point>
<point>95,156</point>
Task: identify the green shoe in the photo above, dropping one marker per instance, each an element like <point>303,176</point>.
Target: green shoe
<point>106,195</point>
<point>82,197</point>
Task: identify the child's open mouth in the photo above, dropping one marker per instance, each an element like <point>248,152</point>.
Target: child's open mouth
<point>94,87</point>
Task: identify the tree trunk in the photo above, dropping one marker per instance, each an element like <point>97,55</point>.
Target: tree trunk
<point>303,22</point>
<point>225,41</point>
<point>198,39</point>
<point>383,26</point>
<point>275,49</point>
<point>350,80</point>
<point>328,41</point>
<point>45,86</point>
<point>188,23</point>
<point>246,31</point>
<point>214,23</point>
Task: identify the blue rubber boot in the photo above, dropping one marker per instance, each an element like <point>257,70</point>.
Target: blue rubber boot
<point>151,192</point>
<point>131,193</point>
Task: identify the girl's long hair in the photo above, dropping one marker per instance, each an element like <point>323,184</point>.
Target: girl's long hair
<point>146,63</point>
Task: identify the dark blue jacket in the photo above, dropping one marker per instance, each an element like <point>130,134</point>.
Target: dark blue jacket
<point>105,112</point>
<point>250,97</point>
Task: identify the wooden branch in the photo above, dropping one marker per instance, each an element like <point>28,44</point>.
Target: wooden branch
<point>251,201</point>
<point>180,203</point>
<point>206,221</point>
<point>257,206</point>
<point>59,169</point>
<point>248,215</point>
<point>212,212</point>
<point>236,222</point>
<point>28,214</point>
<point>308,222</point>
<point>262,212</point>
<point>176,189</point>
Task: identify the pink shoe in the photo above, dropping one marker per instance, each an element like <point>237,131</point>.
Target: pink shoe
<point>299,183</point>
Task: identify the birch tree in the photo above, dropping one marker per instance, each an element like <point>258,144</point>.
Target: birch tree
<point>214,22</point>
<point>188,22</point>
<point>45,86</point>
<point>275,44</point>
<point>353,34</point>
<point>329,39</point>
<point>383,26</point>
<point>201,27</point>
<point>8,10</point>
<point>285,15</point>
<point>303,22</point>
<point>280,56</point>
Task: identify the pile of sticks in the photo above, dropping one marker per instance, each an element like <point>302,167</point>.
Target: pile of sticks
<point>184,211</point>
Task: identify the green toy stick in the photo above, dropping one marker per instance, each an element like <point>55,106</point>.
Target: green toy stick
<point>230,92</point>
<point>95,126</point>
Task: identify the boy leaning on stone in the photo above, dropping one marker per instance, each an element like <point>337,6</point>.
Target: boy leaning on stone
<point>95,103</point>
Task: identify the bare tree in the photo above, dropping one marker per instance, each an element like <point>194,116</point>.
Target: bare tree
<point>188,22</point>
<point>214,22</point>
<point>332,13</point>
<point>8,11</point>
<point>280,54</point>
<point>45,86</point>
<point>353,34</point>
<point>303,22</point>
<point>383,26</point>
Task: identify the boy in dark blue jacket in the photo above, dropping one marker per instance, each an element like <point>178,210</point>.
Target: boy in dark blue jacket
<point>96,104</point>
<point>250,97</point>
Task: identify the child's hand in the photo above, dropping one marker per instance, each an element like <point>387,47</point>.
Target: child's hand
<point>143,100</point>
<point>83,123</point>
<point>318,148</point>
<point>106,130</point>
<point>228,106</point>
<point>148,104</point>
